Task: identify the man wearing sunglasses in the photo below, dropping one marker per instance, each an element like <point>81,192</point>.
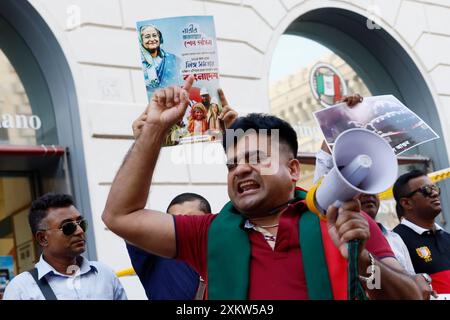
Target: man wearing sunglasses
<point>418,205</point>
<point>61,272</point>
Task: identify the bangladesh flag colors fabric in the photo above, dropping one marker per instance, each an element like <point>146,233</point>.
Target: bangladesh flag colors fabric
<point>229,255</point>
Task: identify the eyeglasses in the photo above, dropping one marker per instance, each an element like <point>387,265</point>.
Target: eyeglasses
<point>426,191</point>
<point>69,227</point>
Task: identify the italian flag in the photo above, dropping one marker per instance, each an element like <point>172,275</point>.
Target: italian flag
<point>329,86</point>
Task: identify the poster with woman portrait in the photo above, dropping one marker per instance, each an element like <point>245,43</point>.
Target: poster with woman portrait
<point>173,48</point>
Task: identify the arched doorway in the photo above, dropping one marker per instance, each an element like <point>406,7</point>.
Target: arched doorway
<point>35,57</point>
<point>384,66</point>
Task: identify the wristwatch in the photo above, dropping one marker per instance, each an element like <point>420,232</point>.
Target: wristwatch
<point>426,277</point>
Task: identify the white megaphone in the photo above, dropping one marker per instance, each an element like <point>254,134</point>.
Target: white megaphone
<point>363,162</point>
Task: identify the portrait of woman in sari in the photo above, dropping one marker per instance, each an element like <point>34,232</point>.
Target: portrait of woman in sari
<point>160,67</point>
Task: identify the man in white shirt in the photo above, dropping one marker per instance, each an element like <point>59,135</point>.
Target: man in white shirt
<point>62,273</point>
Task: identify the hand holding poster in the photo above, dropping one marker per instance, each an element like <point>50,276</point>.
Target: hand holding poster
<point>384,115</point>
<point>171,50</point>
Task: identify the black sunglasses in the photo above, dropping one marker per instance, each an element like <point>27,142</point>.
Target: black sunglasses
<point>426,191</point>
<point>69,227</point>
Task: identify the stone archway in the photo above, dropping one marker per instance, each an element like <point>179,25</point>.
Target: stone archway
<point>42,66</point>
<point>381,61</point>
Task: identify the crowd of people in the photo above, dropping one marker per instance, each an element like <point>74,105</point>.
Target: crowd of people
<point>263,244</point>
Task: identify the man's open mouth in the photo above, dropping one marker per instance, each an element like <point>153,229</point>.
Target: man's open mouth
<point>246,186</point>
<point>369,204</point>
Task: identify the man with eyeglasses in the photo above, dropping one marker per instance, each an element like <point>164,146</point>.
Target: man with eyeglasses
<point>264,244</point>
<point>418,205</point>
<point>61,272</point>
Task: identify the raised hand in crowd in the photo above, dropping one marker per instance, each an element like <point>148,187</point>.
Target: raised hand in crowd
<point>168,105</point>
<point>352,101</point>
<point>171,95</point>
<point>228,114</point>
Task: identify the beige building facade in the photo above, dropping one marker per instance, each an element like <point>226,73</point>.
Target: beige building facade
<point>87,60</point>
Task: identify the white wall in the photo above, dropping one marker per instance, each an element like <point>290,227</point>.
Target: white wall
<point>102,51</point>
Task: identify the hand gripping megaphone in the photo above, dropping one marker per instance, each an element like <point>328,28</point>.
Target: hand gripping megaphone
<point>363,162</point>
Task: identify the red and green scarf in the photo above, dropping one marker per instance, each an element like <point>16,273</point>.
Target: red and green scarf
<point>229,257</point>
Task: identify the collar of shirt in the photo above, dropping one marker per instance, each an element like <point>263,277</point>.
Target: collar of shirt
<point>45,268</point>
<point>248,225</point>
<point>382,228</point>
<point>387,232</point>
<point>292,209</point>
<point>270,238</point>
<point>417,228</point>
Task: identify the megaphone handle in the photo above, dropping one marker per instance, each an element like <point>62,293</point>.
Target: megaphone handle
<point>355,288</point>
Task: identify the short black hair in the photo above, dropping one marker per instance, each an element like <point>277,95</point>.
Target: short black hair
<point>258,121</point>
<point>39,208</point>
<point>185,197</point>
<point>400,188</point>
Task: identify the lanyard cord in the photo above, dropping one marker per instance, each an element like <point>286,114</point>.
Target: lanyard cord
<point>355,288</point>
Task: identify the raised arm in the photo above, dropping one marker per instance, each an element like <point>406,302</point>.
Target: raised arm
<point>124,213</point>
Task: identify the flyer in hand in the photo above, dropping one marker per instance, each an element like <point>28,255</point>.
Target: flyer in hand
<point>171,50</point>
<point>384,115</point>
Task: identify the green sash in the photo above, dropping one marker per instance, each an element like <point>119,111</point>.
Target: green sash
<point>229,256</point>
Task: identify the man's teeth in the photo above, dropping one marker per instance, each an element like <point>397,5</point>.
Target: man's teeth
<point>247,185</point>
